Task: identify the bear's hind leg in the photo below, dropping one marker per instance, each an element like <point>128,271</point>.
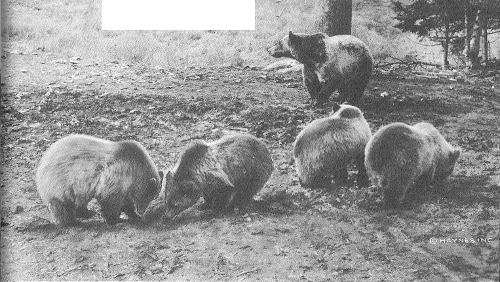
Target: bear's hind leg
<point>356,91</point>
<point>83,212</point>
<point>395,189</point>
<point>341,176</point>
<point>362,178</point>
<point>351,92</point>
<point>63,212</point>
<point>216,202</point>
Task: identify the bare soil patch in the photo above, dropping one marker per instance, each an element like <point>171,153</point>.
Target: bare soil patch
<point>289,233</point>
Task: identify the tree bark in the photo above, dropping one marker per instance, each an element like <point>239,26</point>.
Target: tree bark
<point>338,17</point>
<point>446,42</point>
<point>473,54</point>
<point>485,41</point>
<point>470,18</point>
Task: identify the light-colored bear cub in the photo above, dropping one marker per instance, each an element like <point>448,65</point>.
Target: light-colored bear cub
<point>326,146</point>
<point>78,168</point>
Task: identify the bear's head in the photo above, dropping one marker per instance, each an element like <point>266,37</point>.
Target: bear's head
<point>345,111</point>
<point>446,165</point>
<point>305,48</point>
<point>183,192</point>
<point>280,49</point>
<point>158,206</point>
<point>146,190</point>
<point>180,194</point>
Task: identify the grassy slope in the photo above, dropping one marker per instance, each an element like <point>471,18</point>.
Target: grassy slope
<point>72,28</point>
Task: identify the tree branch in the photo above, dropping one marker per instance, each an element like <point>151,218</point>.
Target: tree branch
<point>407,63</point>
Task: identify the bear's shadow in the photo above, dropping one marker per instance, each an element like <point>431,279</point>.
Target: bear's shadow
<point>458,190</point>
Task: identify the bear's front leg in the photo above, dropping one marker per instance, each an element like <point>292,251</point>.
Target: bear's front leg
<point>327,89</point>
<point>311,82</point>
<point>111,208</point>
<point>129,210</point>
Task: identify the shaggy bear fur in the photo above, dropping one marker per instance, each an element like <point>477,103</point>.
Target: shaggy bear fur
<point>78,168</point>
<point>341,62</point>
<point>400,157</point>
<point>227,173</point>
<point>326,146</point>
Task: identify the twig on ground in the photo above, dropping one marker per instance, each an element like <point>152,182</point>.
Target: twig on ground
<point>407,63</point>
<point>248,271</point>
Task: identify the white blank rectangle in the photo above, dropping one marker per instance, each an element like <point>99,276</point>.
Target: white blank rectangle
<point>178,14</point>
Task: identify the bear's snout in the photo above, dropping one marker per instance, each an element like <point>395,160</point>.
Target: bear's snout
<point>271,50</point>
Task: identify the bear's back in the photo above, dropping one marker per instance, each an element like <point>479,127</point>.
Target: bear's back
<point>444,154</point>
<point>322,133</point>
<point>433,135</point>
<point>72,161</point>
<point>133,154</point>
<point>393,144</point>
<point>243,155</point>
<point>75,152</point>
<point>191,160</point>
<point>346,43</point>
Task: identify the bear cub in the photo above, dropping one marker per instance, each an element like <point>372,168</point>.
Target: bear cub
<point>77,168</point>
<point>326,146</point>
<point>341,62</point>
<point>400,157</point>
<point>227,173</point>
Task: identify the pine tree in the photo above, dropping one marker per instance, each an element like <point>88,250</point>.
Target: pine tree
<point>438,20</point>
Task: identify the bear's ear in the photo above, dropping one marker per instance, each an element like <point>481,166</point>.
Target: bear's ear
<point>293,39</point>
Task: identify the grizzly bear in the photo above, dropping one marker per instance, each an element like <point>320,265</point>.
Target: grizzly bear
<point>400,157</point>
<point>227,173</point>
<point>77,168</point>
<point>326,146</point>
<point>340,62</point>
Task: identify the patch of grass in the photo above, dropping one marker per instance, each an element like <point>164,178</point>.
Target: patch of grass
<point>73,28</point>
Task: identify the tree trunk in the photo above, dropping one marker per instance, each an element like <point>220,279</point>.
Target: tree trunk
<point>470,18</point>
<point>473,54</point>
<point>485,41</point>
<point>338,17</point>
<point>446,43</point>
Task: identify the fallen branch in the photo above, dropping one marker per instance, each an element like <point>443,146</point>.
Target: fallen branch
<point>281,13</point>
<point>248,271</point>
<point>407,63</point>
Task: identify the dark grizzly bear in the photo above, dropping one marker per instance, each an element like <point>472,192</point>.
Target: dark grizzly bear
<point>326,146</point>
<point>77,168</point>
<point>340,62</point>
<point>400,157</point>
<point>227,173</point>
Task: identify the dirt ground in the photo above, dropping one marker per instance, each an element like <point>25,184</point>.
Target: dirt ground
<point>289,233</point>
